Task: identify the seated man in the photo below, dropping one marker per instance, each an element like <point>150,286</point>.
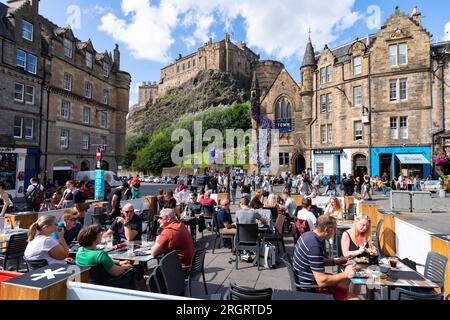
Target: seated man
<point>207,201</point>
<point>70,225</point>
<point>309,262</point>
<point>225,222</point>
<point>175,236</point>
<point>127,227</point>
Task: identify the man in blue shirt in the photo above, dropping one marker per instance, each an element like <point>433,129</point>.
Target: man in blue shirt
<point>127,227</point>
<point>70,225</point>
<point>225,222</point>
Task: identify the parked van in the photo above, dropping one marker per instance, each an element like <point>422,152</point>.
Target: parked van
<point>110,177</point>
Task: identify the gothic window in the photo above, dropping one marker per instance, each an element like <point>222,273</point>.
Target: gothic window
<point>283,115</point>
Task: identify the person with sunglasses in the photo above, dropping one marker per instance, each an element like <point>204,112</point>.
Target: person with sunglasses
<point>127,227</point>
<point>70,225</point>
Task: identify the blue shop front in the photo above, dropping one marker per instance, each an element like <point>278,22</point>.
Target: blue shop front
<point>409,161</point>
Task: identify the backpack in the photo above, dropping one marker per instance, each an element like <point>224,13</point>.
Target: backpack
<point>270,258</point>
<point>37,195</point>
<point>234,185</point>
<point>301,226</point>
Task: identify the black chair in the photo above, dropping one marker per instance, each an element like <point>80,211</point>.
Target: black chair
<point>99,276</point>
<point>15,249</point>
<point>173,274</point>
<point>153,284</point>
<point>247,238</point>
<point>287,260</point>
<point>278,235</point>
<point>377,237</point>
<point>156,282</point>
<point>101,219</point>
<point>208,214</point>
<point>239,293</point>
<point>403,294</point>
<point>220,236</point>
<point>35,264</point>
<point>197,267</point>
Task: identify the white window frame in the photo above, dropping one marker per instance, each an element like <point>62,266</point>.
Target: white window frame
<point>25,32</point>
<point>403,127</point>
<point>30,64</point>
<point>28,137</point>
<point>392,55</point>
<point>65,108</point>
<point>329,102</point>
<point>323,103</point>
<point>397,54</point>
<point>24,59</point>
<point>329,73</point>
<point>357,99</point>
<point>105,96</point>
<point>88,90</point>
<point>323,75</point>
<point>103,121</point>
<point>329,133</point>
<point>400,55</point>
<point>64,139</point>
<point>68,48</point>
<point>358,130</point>
<point>22,92</point>
<point>85,144</point>
<point>357,67</point>
<point>26,94</point>
<point>106,70</point>
<point>391,91</point>
<point>88,113</point>
<point>393,128</point>
<point>21,128</point>
<point>323,134</point>
<point>405,81</point>
<point>68,79</point>
<point>89,61</point>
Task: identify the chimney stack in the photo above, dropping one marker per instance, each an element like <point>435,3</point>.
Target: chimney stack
<point>416,16</point>
<point>117,57</point>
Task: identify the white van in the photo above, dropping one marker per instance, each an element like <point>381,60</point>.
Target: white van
<point>110,177</point>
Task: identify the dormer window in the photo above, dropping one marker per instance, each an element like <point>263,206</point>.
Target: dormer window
<point>68,48</point>
<point>27,30</point>
<point>105,70</point>
<point>89,60</point>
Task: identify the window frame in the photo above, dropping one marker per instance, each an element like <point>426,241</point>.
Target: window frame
<point>34,70</point>
<point>28,137</point>
<point>105,97</point>
<point>400,81</point>
<point>26,94</point>
<point>403,128</point>
<point>323,134</point>
<point>355,96</point>
<point>21,128</point>
<point>68,44</point>
<point>103,115</point>
<point>88,85</point>
<point>24,66</point>
<point>392,129</point>
<point>329,133</point>
<point>329,73</point>
<point>83,146</point>
<point>70,77</point>
<point>355,131</point>
<point>88,114</point>
<point>357,66</point>
<point>323,75</point>
<point>24,22</point>
<point>64,104</point>
<point>90,60</point>
<point>398,55</point>
<point>66,138</point>
<point>323,103</point>
<point>391,91</point>
<point>106,69</point>
<point>329,102</point>
<point>23,92</point>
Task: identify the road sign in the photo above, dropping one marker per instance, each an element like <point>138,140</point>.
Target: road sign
<point>99,154</point>
<point>99,184</point>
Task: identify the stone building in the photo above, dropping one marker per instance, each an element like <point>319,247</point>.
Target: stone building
<point>364,107</point>
<point>21,77</point>
<point>61,99</point>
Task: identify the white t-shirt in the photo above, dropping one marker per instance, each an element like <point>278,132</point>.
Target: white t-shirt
<point>40,246</point>
<point>32,186</point>
<point>291,207</point>
<point>308,216</point>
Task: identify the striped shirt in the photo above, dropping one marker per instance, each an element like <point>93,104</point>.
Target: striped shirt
<point>308,257</point>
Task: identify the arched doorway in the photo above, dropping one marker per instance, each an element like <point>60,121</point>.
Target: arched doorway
<point>300,164</point>
<point>62,171</point>
<point>359,165</point>
<point>105,165</point>
<point>85,165</point>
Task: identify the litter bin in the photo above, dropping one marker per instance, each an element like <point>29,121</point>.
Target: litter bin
<point>421,201</point>
<point>401,201</point>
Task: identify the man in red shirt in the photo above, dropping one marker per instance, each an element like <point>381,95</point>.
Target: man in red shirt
<point>175,236</point>
<point>207,201</point>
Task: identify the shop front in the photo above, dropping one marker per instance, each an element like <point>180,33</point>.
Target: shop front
<point>408,161</point>
<point>332,162</point>
<point>12,169</point>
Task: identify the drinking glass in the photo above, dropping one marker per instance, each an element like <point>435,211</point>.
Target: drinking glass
<point>108,242</point>
<point>130,247</point>
<point>16,225</point>
<point>375,275</point>
<point>393,263</point>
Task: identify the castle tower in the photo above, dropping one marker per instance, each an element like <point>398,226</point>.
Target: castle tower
<point>307,75</point>
<point>255,94</point>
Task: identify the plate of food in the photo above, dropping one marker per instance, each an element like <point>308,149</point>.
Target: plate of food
<point>362,260</point>
<point>361,274</point>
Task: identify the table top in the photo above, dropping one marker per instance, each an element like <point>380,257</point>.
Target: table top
<point>142,254</point>
<point>401,276</point>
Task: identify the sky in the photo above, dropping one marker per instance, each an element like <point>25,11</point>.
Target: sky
<point>151,33</point>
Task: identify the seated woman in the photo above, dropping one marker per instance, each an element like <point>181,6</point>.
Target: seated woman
<point>256,203</point>
<point>334,209</point>
<point>357,240</point>
<point>272,205</point>
<point>90,256</point>
<point>42,246</point>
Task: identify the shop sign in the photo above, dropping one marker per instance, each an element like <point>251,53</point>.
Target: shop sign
<point>335,151</point>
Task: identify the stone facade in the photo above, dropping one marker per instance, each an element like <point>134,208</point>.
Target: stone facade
<point>77,91</point>
<point>360,105</point>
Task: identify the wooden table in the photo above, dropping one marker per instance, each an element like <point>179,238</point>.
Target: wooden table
<point>407,277</point>
<point>26,219</point>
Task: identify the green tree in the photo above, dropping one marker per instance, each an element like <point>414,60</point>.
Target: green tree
<point>134,143</point>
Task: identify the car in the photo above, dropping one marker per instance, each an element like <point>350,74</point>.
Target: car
<point>157,180</point>
<point>124,178</point>
<point>89,192</point>
<point>145,178</point>
<point>110,177</point>
<point>433,186</point>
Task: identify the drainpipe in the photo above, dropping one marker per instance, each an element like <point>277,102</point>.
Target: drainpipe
<point>46,133</point>
<point>314,121</point>
<point>370,118</point>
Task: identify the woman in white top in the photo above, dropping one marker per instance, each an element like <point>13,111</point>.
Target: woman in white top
<point>334,209</point>
<point>67,200</point>
<point>306,214</point>
<point>41,246</point>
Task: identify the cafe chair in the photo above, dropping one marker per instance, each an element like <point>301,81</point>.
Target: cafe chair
<point>404,294</point>
<point>156,282</point>
<point>278,235</point>
<point>220,236</point>
<point>35,264</point>
<point>173,274</point>
<point>247,238</point>
<point>100,219</point>
<point>15,249</point>
<point>295,286</point>
<point>208,214</point>
<point>239,293</point>
<point>99,276</point>
<point>377,237</point>
<point>197,267</point>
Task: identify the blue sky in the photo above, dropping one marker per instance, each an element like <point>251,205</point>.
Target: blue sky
<point>152,33</point>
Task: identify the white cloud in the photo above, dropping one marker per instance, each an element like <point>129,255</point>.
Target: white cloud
<point>447,32</point>
<point>278,28</point>
<point>97,10</point>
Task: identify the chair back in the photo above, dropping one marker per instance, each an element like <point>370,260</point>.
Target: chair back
<point>435,267</point>
<point>238,293</point>
<point>173,274</point>
<point>159,277</point>
<point>153,283</point>
<point>198,262</point>
<point>279,225</point>
<point>351,211</point>
<point>403,294</point>
<point>35,264</point>
<point>288,263</point>
<point>247,233</point>
<point>16,246</point>
<point>99,219</point>
<point>377,236</point>
<point>207,211</point>
<point>215,223</point>
<point>99,276</point>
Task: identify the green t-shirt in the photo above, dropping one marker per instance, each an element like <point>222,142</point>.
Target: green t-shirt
<point>89,258</point>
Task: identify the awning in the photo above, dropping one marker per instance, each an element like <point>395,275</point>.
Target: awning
<point>412,159</point>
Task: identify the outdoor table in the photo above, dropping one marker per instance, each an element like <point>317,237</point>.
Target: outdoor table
<point>404,277</point>
<point>299,295</point>
<point>121,254</point>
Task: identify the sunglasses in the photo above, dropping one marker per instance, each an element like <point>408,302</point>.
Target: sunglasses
<point>73,220</point>
<point>128,211</point>
<point>159,218</point>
